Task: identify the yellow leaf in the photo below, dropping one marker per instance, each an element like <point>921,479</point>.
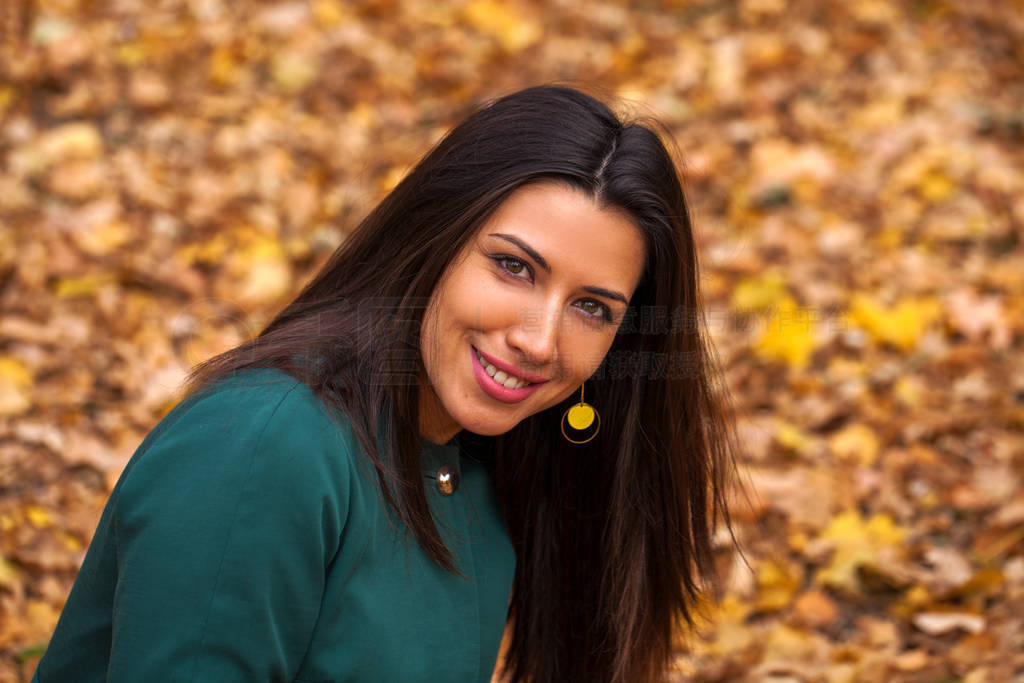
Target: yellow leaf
<point>857,542</point>
<point>936,186</point>
<point>104,238</point>
<point>776,584</point>
<point>727,622</point>
<point>874,11</point>
<point>729,608</point>
<point>211,252</point>
<point>40,620</point>
<point>80,286</point>
<point>38,517</point>
<point>789,436</point>
<point>6,97</point>
<point>889,237</point>
<point>855,442</point>
<point>797,541</point>
<point>294,70</point>
<point>362,116</point>
<point>786,644</point>
<point>900,325</point>
<point>879,114</point>
<point>223,68</point>
<point>496,19</point>
<point>789,335</point>
<point>131,54</point>
<point>67,142</point>
<point>626,53</point>
<point>15,372</point>
<point>8,572</point>
<point>15,380</point>
<point>761,293</point>
<point>918,596</point>
<point>908,391</point>
<point>263,268</point>
<point>69,541</point>
<point>330,13</point>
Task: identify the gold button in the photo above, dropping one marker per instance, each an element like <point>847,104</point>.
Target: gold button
<point>447,480</point>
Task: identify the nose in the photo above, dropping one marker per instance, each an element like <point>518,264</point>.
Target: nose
<point>535,335</point>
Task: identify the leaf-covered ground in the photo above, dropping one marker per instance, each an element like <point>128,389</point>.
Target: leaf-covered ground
<point>170,171</point>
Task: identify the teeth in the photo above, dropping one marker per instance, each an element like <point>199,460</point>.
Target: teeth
<point>504,379</point>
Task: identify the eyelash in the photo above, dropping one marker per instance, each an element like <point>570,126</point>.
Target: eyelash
<point>503,260</point>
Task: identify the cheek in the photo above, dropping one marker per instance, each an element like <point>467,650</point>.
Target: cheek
<point>480,303</point>
<point>428,338</point>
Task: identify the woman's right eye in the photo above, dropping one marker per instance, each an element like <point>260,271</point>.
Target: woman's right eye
<point>514,266</point>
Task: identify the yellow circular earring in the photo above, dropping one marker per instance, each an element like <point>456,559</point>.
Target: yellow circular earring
<point>583,421</point>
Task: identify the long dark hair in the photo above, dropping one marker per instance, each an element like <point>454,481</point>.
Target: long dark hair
<point>612,539</point>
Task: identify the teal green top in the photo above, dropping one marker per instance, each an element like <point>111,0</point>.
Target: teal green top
<point>247,540</point>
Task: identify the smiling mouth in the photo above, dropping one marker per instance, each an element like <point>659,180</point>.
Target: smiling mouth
<point>504,379</point>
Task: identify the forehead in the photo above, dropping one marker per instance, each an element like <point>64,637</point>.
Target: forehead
<point>573,233</point>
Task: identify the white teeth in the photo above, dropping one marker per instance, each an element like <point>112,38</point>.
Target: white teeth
<point>504,379</point>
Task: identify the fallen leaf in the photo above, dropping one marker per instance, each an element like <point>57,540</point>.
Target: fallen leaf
<point>513,31</point>
<point>856,542</point>
<point>979,318</point>
<point>790,335</point>
<point>760,293</point>
<point>294,70</point>
<point>900,325</point>
<point>776,584</point>
<point>938,623</point>
<point>814,609</point>
<point>856,442</point>
<point>15,380</point>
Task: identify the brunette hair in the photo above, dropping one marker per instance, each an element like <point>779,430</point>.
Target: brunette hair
<point>613,538</point>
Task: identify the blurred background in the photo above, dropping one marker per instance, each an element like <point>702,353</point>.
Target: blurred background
<point>171,172</point>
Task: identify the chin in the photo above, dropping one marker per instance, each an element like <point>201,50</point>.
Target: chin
<point>487,427</point>
<point>493,432</point>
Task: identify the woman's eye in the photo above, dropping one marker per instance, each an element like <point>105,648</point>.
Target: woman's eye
<point>514,266</point>
<point>596,309</point>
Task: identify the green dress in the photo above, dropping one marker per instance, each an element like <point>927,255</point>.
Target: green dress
<point>247,540</point>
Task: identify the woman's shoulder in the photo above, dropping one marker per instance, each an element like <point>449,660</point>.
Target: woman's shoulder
<point>260,429</point>
<point>249,402</point>
<point>250,389</point>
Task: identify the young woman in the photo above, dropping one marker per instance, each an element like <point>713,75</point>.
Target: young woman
<point>494,407</point>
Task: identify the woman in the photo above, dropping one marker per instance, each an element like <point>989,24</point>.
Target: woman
<point>498,386</point>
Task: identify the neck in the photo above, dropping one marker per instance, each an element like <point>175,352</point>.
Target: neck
<point>435,424</point>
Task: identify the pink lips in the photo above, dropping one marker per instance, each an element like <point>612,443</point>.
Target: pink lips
<point>498,391</point>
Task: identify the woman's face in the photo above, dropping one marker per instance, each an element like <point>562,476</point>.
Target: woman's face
<point>527,310</point>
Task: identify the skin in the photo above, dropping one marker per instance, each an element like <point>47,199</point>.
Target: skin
<point>556,322</point>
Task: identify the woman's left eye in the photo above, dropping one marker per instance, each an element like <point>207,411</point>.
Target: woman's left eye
<point>595,309</point>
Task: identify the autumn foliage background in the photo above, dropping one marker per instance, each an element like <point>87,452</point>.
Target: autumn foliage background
<point>171,171</point>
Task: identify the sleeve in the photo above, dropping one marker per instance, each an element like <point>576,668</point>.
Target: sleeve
<point>223,532</point>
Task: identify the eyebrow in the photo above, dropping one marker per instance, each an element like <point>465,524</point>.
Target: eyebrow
<point>601,291</point>
<point>532,253</point>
